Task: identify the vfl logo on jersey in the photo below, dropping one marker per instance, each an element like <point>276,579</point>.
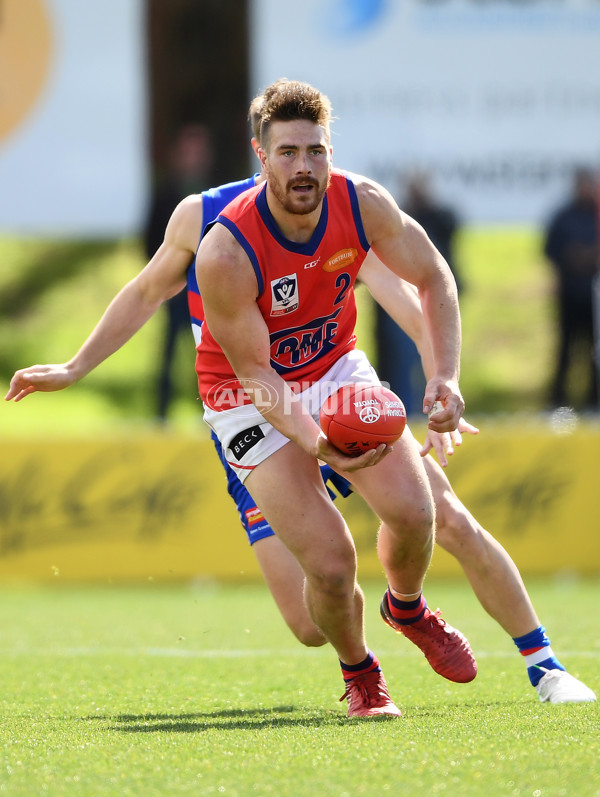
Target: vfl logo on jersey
<point>341,259</point>
<point>284,295</point>
<point>294,347</point>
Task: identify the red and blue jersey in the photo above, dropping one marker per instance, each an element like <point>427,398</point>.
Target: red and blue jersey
<point>305,290</point>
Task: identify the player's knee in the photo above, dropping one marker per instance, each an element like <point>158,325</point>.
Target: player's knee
<point>416,521</point>
<point>335,574</point>
<point>456,529</point>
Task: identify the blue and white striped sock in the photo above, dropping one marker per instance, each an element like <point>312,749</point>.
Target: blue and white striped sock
<point>535,649</point>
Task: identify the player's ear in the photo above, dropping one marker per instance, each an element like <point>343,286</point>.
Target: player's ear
<point>255,146</point>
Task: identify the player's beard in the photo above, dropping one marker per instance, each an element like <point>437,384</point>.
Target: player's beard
<point>301,204</point>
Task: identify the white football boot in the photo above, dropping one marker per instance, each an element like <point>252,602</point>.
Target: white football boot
<point>557,686</point>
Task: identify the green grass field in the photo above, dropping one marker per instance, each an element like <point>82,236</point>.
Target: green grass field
<point>202,690</point>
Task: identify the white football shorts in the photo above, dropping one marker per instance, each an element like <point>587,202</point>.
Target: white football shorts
<point>248,438</point>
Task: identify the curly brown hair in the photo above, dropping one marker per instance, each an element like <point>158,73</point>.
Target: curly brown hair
<point>256,106</point>
<point>289,100</point>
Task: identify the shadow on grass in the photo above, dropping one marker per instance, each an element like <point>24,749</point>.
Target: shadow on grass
<point>282,717</point>
<point>229,719</point>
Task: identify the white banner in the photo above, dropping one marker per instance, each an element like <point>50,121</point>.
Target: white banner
<point>497,99</point>
<point>72,117</point>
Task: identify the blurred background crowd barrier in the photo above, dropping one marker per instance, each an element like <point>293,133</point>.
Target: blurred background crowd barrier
<point>155,507</point>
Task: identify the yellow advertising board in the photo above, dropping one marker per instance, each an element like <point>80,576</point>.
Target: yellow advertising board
<point>155,507</point>
<point>535,489</point>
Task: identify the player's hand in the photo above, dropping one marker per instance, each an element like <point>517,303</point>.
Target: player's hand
<point>333,456</point>
<point>444,405</point>
<point>43,378</point>
<point>445,444</point>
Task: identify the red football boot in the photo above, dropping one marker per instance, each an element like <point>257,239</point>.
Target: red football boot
<point>368,696</point>
<point>445,648</point>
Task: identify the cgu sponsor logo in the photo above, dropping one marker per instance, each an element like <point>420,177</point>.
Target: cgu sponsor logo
<point>312,263</point>
<point>340,260</point>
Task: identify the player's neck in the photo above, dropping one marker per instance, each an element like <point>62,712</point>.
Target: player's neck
<point>296,227</point>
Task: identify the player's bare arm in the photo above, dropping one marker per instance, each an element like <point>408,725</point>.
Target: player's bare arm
<point>404,247</point>
<point>229,291</point>
<point>135,303</point>
<point>401,301</point>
